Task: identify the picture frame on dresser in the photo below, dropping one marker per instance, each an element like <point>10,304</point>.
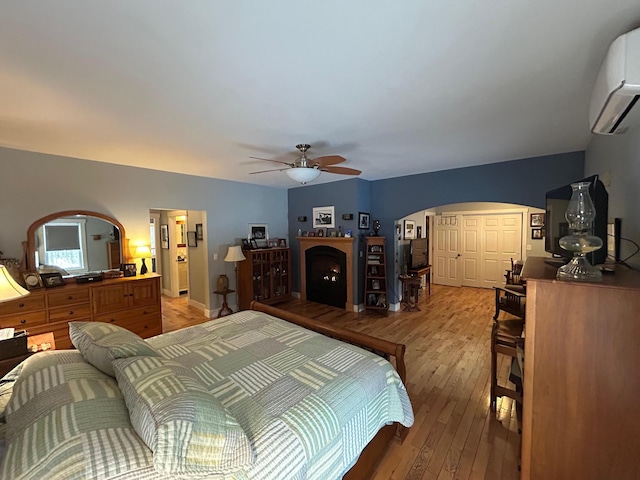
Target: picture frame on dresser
<point>32,280</point>
<point>52,279</point>
<point>129,269</point>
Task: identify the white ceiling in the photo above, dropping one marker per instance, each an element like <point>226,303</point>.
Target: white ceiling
<point>396,87</point>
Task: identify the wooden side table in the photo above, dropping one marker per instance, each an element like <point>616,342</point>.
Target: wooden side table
<point>410,291</point>
<point>426,271</point>
<point>225,310</point>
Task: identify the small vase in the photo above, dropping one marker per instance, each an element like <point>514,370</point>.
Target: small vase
<point>580,215</point>
<point>223,283</point>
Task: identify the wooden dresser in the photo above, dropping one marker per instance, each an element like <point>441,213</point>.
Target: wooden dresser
<point>581,407</point>
<point>132,303</point>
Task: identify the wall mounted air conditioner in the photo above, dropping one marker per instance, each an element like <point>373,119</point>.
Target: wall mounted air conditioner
<point>617,87</point>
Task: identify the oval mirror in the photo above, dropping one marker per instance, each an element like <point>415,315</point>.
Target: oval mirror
<point>75,242</point>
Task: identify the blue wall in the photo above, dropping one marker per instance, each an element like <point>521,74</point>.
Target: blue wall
<point>523,182</point>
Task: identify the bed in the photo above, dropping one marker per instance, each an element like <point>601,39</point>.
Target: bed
<point>260,394</point>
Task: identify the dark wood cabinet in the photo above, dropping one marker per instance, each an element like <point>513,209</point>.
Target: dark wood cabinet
<point>375,287</point>
<point>264,276</point>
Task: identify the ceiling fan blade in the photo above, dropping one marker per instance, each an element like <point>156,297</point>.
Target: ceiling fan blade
<point>266,171</point>
<point>274,161</point>
<point>341,170</point>
<point>328,160</point>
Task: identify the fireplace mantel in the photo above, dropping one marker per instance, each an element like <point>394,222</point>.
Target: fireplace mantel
<point>344,244</point>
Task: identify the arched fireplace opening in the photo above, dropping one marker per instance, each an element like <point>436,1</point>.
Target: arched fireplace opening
<point>326,271</point>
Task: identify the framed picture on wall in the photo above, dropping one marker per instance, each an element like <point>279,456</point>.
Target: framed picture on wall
<point>363,221</point>
<point>259,231</point>
<point>536,234</point>
<point>192,240</point>
<point>537,219</point>
<point>199,232</point>
<point>409,229</point>
<point>324,217</point>
<point>164,236</point>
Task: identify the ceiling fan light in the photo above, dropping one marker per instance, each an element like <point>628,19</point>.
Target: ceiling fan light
<point>303,174</point>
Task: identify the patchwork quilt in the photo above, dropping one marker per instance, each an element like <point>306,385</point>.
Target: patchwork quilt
<point>308,404</point>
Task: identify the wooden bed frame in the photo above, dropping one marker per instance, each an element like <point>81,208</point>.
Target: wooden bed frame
<point>374,451</point>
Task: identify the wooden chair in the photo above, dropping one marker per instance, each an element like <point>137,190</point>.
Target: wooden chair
<point>512,277</point>
<point>511,299</point>
<point>506,338</point>
<point>506,333</point>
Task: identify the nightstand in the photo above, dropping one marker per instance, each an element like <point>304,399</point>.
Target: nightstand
<point>35,343</point>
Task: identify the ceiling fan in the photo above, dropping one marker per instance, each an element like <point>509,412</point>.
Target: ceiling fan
<point>305,169</point>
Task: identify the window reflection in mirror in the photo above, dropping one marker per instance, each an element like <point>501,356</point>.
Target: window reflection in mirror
<point>77,244</point>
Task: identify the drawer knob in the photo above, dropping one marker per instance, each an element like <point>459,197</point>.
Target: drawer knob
<point>21,305</point>
<point>70,312</point>
<point>23,321</point>
<point>111,320</point>
<point>70,297</point>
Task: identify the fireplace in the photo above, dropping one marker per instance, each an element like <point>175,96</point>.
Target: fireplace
<point>326,275</point>
<point>333,267</point>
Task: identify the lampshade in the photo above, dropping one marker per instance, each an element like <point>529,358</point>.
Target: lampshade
<point>303,174</point>
<point>142,251</point>
<point>234,254</point>
<point>9,288</point>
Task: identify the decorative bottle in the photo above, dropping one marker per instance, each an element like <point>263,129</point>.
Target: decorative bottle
<point>580,215</point>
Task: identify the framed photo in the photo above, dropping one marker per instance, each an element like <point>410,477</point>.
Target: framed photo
<point>32,280</point>
<point>324,217</point>
<point>311,234</point>
<point>273,242</point>
<point>260,233</point>
<point>53,279</point>
<point>537,219</point>
<point>254,244</point>
<point>409,229</point>
<point>363,221</point>
<point>536,234</point>
<point>245,244</point>
<point>320,232</point>
<point>164,236</point>
<point>375,284</point>
<point>282,242</point>
<point>332,233</point>
<point>129,269</point>
<point>192,239</point>
<point>199,232</point>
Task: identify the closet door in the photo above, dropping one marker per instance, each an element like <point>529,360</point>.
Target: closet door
<point>489,242</point>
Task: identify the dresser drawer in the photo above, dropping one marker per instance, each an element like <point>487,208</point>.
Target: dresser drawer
<point>123,317</point>
<point>25,304</point>
<point>70,313</point>
<point>146,327</point>
<point>60,299</point>
<point>26,320</point>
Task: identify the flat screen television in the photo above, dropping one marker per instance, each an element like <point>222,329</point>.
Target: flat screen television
<point>418,254</point>
<point>556,224</point>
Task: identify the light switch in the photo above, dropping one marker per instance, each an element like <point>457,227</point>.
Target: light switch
<point>215,256</point>
<point>528,246</point>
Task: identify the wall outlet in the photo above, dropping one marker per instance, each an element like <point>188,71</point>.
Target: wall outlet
<point>528,246</point>
<point>215,256</point>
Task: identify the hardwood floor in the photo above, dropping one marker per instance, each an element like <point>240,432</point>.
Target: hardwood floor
<point>455,436</point>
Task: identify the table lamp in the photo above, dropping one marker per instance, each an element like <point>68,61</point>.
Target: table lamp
<point>142,252</point>
<point>9,288</point>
